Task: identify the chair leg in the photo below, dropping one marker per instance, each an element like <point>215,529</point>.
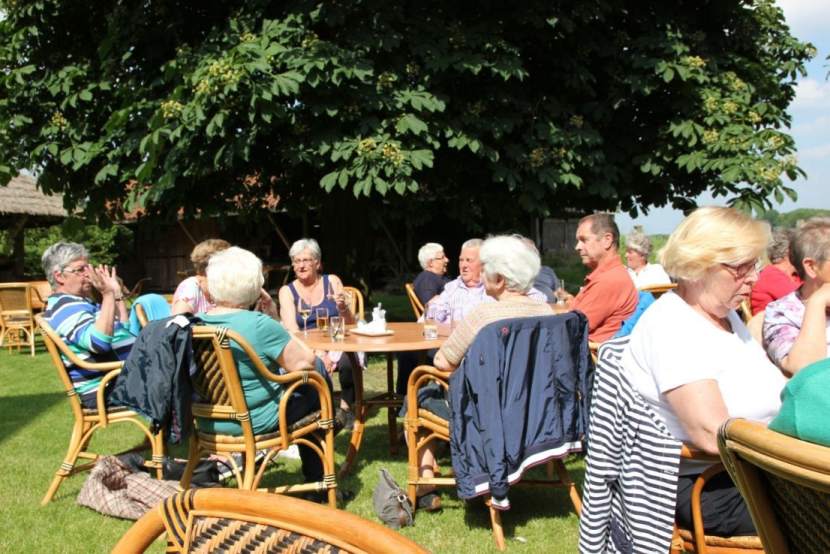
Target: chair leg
<point>75,446</point>
<point>414,463</point>
<point>565,478</point>
<point>192,460</point>
<point>498,531</point>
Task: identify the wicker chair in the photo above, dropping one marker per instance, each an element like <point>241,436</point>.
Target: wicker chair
<point>786,484</point>
<point>217,383</point>
<point>88,421</point>
<point>745,311</point>
<point>659,290</point>
<point>16,317</point>
<point>40,291</point>
<point>414,301</point>
<point>141,315</point>
<point>357,301</point>
<point>695,540</point>
<point>228,520</point>
<point>423,426</point>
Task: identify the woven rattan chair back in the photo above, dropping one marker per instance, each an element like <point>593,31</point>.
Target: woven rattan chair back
<point>357,301</point>
<point>659,290</point>
<point>218,385</point>
<point>16,316</point>
<point>217,381</point>
<point>40,291</point>
<point>785,482</point>
<point>87,421</point>
<point>228,520</point>
<point>414,301</point>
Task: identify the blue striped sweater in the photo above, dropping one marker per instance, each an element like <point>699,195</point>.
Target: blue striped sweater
<point>73,318</point>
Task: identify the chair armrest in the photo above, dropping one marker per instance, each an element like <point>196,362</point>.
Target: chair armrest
<point>419,377</point>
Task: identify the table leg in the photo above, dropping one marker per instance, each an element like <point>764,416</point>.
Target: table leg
<point>360,413</point>
<point>391,415</point>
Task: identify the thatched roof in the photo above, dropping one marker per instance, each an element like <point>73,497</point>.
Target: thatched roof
<point>21,196</point>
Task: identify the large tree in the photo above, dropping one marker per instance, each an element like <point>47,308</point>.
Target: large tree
<point>484,110</point>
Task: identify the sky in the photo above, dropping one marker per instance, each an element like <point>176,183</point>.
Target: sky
<point>809,21</point>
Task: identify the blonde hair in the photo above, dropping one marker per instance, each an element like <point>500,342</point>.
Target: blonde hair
<point>710,236</point>
<point>203,251</point>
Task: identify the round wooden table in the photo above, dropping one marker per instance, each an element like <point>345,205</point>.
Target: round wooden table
<point>405,337</point>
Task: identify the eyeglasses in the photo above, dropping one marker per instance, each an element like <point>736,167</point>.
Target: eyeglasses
<point>79,269</point>
<point>301,261</point>
<point>742,271</point>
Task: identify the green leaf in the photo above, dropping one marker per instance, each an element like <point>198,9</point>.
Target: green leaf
<point>329,180</point>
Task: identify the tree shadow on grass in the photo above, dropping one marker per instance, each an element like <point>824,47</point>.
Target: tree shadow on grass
<point>21,410</point>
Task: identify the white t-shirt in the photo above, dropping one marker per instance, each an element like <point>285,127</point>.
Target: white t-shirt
<point>673,345</point>
<point>651,274</point>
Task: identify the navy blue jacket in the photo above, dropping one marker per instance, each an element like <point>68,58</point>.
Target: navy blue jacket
<point>518,399</point>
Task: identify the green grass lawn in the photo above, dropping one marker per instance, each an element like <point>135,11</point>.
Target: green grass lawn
<point>34,433</point>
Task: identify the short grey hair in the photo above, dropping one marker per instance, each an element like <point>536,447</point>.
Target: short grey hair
<point>639,241</point>
<point>305,244</point>
<point>60,255</point>
<point>779,246</point>
<point>472,243</point>
<point>235,277</point>
<point>509,257</point>
<point>811,240</point>
<point>427,253</point>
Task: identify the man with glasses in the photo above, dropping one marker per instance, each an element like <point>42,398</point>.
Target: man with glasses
<point>95,332</point>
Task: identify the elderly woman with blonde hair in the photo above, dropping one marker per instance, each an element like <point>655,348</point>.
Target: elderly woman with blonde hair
<point>192,294</point>
<point>693,360</point>
<point>643,273</point>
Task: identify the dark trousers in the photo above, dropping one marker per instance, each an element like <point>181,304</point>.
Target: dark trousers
<point>344,371</point>
<point>725,513</point>
<point>302,402</point>
<point>407,362</point>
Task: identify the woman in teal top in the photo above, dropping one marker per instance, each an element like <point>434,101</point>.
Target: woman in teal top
<point>234,278</point>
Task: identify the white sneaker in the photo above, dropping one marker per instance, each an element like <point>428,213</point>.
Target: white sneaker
<point>291,453</point>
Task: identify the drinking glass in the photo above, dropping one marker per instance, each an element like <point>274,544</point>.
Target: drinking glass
<point>338,327</point>
<point>561,293</point>
<point>322,319</point>
<point>305,311</point>
<point>430,325</point>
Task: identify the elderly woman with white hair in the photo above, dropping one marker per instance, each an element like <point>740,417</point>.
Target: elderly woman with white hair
<point>430,282</point>
<point>234,281</point>
<point>693,360</point>
<point>95,332</point>
<point>508,268</point>
<point>643,273</point>
<point>314,290</point>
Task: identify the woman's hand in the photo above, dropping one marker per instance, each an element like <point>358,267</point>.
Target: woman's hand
<point>105,280</point>
<point>327,362</point>
<point>266,305</point>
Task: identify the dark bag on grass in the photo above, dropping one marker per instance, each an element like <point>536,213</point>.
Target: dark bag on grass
<point>391,504</point>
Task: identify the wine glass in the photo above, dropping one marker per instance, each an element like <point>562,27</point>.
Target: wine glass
<point>304,309</point>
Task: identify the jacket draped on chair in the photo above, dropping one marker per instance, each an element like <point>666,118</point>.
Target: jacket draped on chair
<point>518,399</point>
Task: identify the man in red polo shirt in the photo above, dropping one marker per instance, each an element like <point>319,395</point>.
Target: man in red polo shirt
<point>607,296</point>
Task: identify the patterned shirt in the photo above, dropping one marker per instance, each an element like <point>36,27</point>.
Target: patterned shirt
<point>189,291</point>
<point>782,323</point>
<point>458,300</point>
<point>73,319</point>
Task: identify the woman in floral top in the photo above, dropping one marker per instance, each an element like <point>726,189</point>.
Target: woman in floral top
<point>796,326</point>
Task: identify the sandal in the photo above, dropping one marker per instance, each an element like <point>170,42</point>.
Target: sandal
<point>429,502</point>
